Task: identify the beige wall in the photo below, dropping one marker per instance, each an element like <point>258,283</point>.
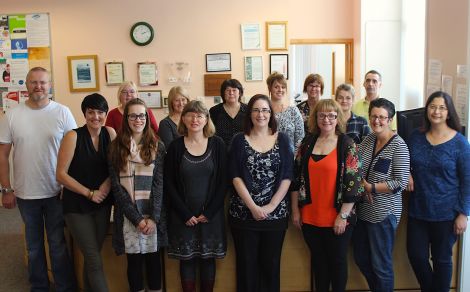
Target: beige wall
<point>447,24</point>
<point>185,30</point>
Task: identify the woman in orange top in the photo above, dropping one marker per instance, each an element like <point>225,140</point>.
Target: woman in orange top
<point>328,183</point>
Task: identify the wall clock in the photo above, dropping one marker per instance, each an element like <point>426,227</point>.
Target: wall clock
<point>142,33</point>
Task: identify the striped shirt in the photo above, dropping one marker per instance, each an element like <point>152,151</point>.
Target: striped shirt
<point>390,165</point>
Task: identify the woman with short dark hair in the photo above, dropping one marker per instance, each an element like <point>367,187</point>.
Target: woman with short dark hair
<point>82,168</point>
<point>313,88</point>
<point>440,200</point>
<point>228,116</point>
<point>386,164</point>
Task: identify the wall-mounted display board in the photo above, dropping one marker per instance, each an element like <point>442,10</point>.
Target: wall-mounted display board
<point>212,83</point>
<point>24,43</point>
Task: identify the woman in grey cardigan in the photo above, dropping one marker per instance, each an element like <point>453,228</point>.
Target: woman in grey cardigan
<point>136,173</point>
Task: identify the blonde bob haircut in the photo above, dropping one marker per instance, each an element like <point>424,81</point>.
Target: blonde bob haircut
<point>196,106</point>
<point>172,94</point>
<point>326,105</point>
<point>125,84</point>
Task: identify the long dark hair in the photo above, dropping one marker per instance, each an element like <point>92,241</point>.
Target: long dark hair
<point>119,148</point>
<point>452,121</point>
<point>248,123</point>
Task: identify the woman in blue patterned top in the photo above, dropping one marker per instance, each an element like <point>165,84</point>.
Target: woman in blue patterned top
<point>440,202</point>
<point>386,165</point>
<point>261,169</point>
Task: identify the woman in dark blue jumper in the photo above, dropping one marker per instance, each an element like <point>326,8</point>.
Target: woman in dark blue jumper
<point>261,169</point>
<point>440,202</point>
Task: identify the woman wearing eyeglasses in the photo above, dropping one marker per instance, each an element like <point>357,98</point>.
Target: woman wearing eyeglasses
<point>136,158</point>
<point>126,92</point>
<point>386,164</point>
<point>313,87</point>
<point>195,183</point>
<point>440,200</point>
<point>261,161</point>
<point>328,183</point>
<point>288,117</point>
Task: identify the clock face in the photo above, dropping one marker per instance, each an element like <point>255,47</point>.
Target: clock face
<point>142,33</point>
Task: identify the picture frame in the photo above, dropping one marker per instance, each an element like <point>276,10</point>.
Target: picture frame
<point>83,73</point>
<point>276,35</point>
<point>220,62</point>
<point>152,98</point>
<point>251,36</point>
<point>114,72</point>
<point>279,63</point>
<point>148,73</point>
<point>165,101</point>
<point>253,68</point>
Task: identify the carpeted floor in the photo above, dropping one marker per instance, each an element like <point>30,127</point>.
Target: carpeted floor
<point>13,271</point>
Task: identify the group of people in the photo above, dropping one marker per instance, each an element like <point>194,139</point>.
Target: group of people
<point>338,175</point>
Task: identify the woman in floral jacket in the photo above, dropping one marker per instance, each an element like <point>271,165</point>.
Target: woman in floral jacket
<point>328,183</point>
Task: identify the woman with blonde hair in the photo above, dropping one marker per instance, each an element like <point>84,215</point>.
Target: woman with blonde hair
<point>328,183</point>
<point>288,117</point>
<point>136,171</point>
<point>126,92</point>
<point>178,97</point>
<point>195,183</point>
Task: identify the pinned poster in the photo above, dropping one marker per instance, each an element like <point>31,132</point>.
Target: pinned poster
<point>447,84</point>
<point>462,71</point>
<point>434,72</point>
<point>461,101</point>
<point>10,100</point>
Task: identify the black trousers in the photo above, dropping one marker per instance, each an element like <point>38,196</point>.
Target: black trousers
<point>258,256</point>
<point>329,256</point>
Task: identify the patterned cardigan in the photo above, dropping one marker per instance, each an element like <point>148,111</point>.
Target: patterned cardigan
<point>349,188</point>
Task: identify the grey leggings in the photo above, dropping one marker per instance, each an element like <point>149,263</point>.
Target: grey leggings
<point>89,231</point>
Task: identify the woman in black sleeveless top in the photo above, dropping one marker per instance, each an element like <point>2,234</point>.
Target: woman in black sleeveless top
<point>83,170</point>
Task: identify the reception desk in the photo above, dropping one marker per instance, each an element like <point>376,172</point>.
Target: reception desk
<point>295,266</point>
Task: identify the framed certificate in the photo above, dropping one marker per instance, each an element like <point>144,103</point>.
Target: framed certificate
<point>279,63</point>
<point>218,62</point>
<point>83,73</point>
<point>114,72</point>
<point>276,35</point>
<point>254,68</point>
<point>251,36</point>
<point>147,72</point>
<point>152,98</point>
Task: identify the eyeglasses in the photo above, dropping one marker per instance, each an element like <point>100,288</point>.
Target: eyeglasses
<point>134,117</point>
<point>198,117</point>
<point>329,116</point>
<point>437,108</point>
<point>314,86</point>
<point>260,110</point>
<point>344,98</point>
<point>380,118</point>
<point>127,92</point>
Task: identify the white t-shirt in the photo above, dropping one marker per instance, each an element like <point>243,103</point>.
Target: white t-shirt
<point>36,135</point>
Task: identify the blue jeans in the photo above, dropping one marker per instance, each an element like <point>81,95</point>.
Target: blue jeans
<point>440,237</point>
<point>373,249</point>
<point>36,215</point>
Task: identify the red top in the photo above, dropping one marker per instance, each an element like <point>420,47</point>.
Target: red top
<point>114,120</point>
<point>322,177</point>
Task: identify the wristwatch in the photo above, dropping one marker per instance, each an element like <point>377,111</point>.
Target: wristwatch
<point>344,215</point>
<point>7,190</point>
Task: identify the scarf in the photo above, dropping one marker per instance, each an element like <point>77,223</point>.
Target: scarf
<point>135,177</point>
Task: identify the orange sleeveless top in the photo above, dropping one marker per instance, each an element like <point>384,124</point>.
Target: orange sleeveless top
<point>322,177</point>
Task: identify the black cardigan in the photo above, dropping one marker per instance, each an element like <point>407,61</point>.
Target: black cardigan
<point>174,186</point>
<point>348,177</point>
